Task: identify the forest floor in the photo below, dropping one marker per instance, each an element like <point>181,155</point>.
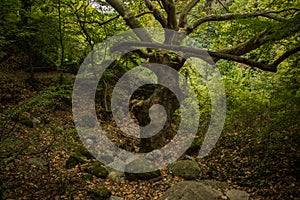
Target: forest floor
<point>36,141</point>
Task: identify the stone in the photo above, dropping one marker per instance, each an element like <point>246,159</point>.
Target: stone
<point>101,193</point>
<point>96,169</point>
<point>187,169</point>
<point>74,160</point>
<point>115,176</point>
<point>115,198</point>
<point>235,194</point>
<point>215,184</point>
<point>82,151</point>
<point>188,190</point>
<point>138,166</point>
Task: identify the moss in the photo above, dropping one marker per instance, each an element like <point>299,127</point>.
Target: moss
<point>73,161</point>
<point>96,169</point>
<point>100,193</point>
<point>187,169</point>
<point>84,152</point>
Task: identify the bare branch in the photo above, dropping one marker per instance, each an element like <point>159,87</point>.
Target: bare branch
<point>157,14</point>
<point>290,27</point>
<point>285,56</point>
<point>261,65</point>
<point>130,19</point>
<point>245,47</point>
<point>206,55</point>
<point>233,16</point>
<point>223,6</point>
<point>170,8</point>
<point>252,63</point>
<point>185,12</point>
<point>112,19</point>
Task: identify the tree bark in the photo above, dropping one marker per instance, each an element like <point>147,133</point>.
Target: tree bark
<point>166,98</point>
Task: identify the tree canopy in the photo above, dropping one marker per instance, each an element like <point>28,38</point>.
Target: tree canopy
<point>253,44</point>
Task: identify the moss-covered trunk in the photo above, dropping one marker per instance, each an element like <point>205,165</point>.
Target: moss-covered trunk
<point>163,96</point>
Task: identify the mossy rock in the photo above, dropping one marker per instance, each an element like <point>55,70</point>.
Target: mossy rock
<point>138,166</point>
<point>215,184</point>
<point>187,169</point>
<point>96,169</point>
<point>188,190</point>
<point>26,122</point>
<point>101,193</point>
<point>82,151</point>
<point>74,160</point>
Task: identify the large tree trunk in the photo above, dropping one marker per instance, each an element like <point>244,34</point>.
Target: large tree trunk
<point>166,98</point>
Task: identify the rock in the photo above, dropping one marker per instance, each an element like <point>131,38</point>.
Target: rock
<point>188,190</point>
<point>115,176</point>
<point>74,160</point>
<point>139,165</point>
<point>187,169</point>
<point>235,194</point>
<point>82,151</point>
<point>26,122</point>
<point>96,169</point>
<point>115,198</point>
<point>101,193</point>
<point>215,184</point>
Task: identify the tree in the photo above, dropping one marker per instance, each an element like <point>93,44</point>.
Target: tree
<point>273,27</point>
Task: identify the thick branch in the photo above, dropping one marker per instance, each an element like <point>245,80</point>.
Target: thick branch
<point>285,56</point>
<point>130,19</point>
<point>157,14</point>
<point>112,19</point>
<point>170,8</point>
<point>185,12</point>
<point>283,30</point>
<point>206,55</point>
<point>233,16</point>
<point>245,47</point>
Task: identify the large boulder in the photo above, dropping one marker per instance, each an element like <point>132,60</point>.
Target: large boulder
<point>188,190</point>
<point>218,185</point>
<point>187,169</point>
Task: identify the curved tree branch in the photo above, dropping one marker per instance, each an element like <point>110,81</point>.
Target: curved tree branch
<point>233,16</point>
<point>157,14</point>
<point>290,26</point>
<point>170,8</point>
<point>112,19</point>
<point>285,56</point>
<point>130,19</point>
<point>185,12</point>
<point>206,55</point>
